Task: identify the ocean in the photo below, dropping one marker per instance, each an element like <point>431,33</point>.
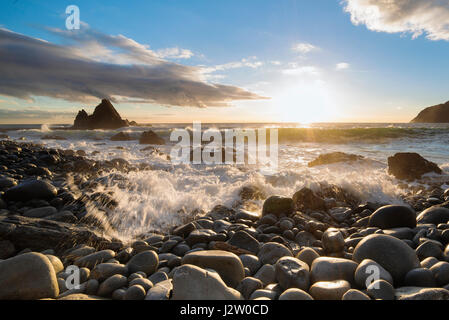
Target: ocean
<point>160,197</point>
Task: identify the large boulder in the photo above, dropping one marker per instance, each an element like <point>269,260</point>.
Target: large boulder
<point>334,157</point>
<point>332,269</point>
<point>227,264</point>
<point>146,261</point>
<point>271,252</point>
<point>42,234</point>
<point>292,273</point>
<point>434,215</point>
<point>31,189</point>
<point>151,137</point>
<point>278,206</point>
<point>105,116</point>
<point>28,276</point>
<point>392,254</point>
<point>307,199</point>
<point>410,166</point>
<point>393,216</point>
<point>194,283</point>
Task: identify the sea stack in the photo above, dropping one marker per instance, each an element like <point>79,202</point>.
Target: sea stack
<point>435,114</point>
<point>105,116</point>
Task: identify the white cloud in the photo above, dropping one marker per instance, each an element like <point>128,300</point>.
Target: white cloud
<point>250,62</point>
<point>174,53</point>
<point>304,47</point>
<point>418,17</point>
<point>342,66</point>
<point>302,70</point>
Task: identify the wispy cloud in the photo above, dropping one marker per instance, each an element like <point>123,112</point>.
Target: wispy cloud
<point>304,47</point>
<point>32,67</point>
<point>301,70</point>
<point>342,66</point>
<point>418,17</point>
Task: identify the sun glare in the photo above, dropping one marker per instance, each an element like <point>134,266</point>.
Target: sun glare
<point>305,103</point>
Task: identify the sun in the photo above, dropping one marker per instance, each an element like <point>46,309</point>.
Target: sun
<point>305,103</point>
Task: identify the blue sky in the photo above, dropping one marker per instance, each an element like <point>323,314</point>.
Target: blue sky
<point>316,60</point>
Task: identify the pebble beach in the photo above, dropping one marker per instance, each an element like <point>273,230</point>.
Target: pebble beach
<point>314,245</point>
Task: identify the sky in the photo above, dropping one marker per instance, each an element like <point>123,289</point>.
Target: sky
<point>224,61</point>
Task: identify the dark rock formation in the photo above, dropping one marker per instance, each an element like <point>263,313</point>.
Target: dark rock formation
<point>410,166</point>
<point>42,234</point>
<point>104,117</point>
<point>150,137</point>
<point>435,114</point>
<point>334,157</point>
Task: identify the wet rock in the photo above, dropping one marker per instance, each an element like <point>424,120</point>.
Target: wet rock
<point>147,284</point>
<point>410,166</point>
<point>91,260</point>
<point>150,137</point>
<point>146,261</point>
<point>393,216</point>
<point>278,206</point>
<point>242,239</point>
<point>135,292</point>
<point>392,254</point>
<point>251,262</point>
<point>247,215</point>
<point>248,285</point>
<point>33,189</point>
<point>270,252</point>
<point>434,215</point>
<point>111,284</point>
<point>295,294</point>
<point>381,289</point>
<point>333,241</point>
<point>41,234</point>
<point>329,290</point>
<point>7,249</point>
<point>332,269</point>
<point>28,276</point>
<point>417,293</point>
<point>103,271</point>
<point>308,255</point>
<point>40,212</point>
<point>307,199</point>
<point>334,157</point>
<point>193,283</point>
<point>292,273</point>
<point>428,249</point>
<point>440,271</point>
<point>354,294</point>
<point>366,269</point>
<point>420,277</point>
<point>203,236</point>
<point>160,291</point>
<point>266,274</point>
<point>226,264</point>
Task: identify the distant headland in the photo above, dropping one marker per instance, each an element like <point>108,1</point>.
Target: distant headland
<point>434,114</point>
